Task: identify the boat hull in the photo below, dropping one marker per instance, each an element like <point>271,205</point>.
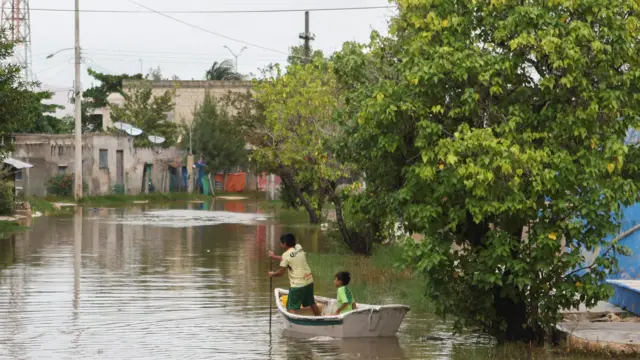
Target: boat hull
<point>366,321</point>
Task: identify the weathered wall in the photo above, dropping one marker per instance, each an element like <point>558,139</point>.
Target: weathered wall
<point>52,154</point>
<point>189,94</point>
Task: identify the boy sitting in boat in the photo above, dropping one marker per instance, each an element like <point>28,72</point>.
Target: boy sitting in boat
<point>344,298</point>
<point>300,278</point>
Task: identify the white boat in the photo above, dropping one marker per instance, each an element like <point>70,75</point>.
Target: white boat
<point>365,321</point>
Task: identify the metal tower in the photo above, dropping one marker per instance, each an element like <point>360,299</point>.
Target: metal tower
<point>16,23</point>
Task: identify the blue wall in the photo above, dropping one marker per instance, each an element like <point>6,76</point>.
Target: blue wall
<point>629,265</point>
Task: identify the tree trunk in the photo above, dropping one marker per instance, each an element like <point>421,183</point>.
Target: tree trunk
<point>356,242</point>
<point>313,215</point>
<point>289,182</point>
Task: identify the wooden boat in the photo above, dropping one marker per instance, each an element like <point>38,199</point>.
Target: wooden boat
<point>365,321</point>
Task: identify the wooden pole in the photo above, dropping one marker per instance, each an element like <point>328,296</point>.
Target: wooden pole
<point>270,293</point>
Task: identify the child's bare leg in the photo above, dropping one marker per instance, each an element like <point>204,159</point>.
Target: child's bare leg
<point>316,310</point>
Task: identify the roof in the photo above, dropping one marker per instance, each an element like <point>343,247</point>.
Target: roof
<point>17,163</point>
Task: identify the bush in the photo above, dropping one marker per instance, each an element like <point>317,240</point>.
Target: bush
<point>6,198</point>
<point>62,185</point>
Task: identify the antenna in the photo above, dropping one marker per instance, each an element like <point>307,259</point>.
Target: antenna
<point>127,128</point>
<point>16,20</point>
<point>133,131</point>
<point>156,139</point>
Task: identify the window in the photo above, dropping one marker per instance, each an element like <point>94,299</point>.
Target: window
<point>19,175</point>
<point>104,159</point>
<point>62,170</point>
<point>60,150</point>
<point>170,116</point>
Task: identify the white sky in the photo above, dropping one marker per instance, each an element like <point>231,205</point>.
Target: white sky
<point>122,43</point>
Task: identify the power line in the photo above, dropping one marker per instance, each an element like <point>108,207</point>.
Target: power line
<point>260,11</point>
<point>208,31</point>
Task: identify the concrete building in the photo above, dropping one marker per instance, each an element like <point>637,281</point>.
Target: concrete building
<point>108,162</point>
<point>189,94</point>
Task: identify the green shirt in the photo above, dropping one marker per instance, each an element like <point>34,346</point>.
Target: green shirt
<point>345,297</point>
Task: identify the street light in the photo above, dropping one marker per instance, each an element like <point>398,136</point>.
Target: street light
<point>236,56</point>
<point>57,52</point>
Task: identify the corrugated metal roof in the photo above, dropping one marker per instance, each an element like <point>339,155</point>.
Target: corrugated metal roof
<point>17,163</point>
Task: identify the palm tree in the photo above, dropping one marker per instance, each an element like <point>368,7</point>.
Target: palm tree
<point>223,71</point>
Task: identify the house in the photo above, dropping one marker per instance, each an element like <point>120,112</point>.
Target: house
<point>189,94</point>
<point>110,163</point>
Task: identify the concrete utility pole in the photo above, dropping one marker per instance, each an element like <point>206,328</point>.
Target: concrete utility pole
<point>78,104</point>
<point>307,37</point>
<point>236,56</point>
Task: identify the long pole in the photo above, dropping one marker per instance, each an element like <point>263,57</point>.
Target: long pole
<point>307,38</point>
<point>270,293</point>
<point>78,104</point>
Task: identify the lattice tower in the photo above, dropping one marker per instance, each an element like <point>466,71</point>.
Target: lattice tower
<point>16,23</point>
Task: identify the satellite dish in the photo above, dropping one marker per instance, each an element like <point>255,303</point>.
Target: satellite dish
<point>121,126</point>
<point>133,131</point>
<point>156,139</point>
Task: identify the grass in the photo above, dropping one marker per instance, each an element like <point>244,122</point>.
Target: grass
<point>374,279</point>
<point>283,213</point>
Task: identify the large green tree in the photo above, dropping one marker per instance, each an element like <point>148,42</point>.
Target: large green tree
<point>498,134</point>
<point>297,142</point>
<point>148,112</point>
<point>216,138</point>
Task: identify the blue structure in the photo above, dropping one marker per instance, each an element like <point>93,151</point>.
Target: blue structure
<point>626,282</point>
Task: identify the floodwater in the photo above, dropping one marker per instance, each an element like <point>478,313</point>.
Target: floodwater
<point>123,284</point>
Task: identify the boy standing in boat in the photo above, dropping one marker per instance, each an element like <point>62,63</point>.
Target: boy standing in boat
<point>300,278</point>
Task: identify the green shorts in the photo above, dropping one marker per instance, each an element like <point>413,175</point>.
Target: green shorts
<point>301,296</point>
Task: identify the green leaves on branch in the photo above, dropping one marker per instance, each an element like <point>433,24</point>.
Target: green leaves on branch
<point>148,112</point>
<point>496,129</point>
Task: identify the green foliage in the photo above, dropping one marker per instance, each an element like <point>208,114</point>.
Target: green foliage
<point>473,113</point>
<point>96,96</point>
<point>7,196</point>
<point>297,55</point>
<point>62,185</point>
<point>20,107</point>
<point>49,124</point>
<point>298,108</point>
<point>216,138</point>
<point>224,70</point>
<point>149,113</point>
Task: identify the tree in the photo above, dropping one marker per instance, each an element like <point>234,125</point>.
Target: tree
<point>149,113</point>
<point>45,123</point>
<point>96,97</point>
<point>502,119</point>
<point>298,57</point>
<point>216,138</point>
<point>223,71</point>
<point>20,107</point>
<point>154,74</point>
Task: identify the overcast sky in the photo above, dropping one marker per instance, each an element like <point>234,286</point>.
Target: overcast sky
<point>127,43</point>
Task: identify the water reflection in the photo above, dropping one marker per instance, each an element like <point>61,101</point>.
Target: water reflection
<point>84,287</point>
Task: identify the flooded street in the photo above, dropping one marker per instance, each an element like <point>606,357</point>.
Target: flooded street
<point>104,284</point>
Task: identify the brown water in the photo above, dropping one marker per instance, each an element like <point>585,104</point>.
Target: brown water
<point>85,287</point>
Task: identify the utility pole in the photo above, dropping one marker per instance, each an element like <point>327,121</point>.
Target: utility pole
<point>236,56</point>
<point>78,104</point>
<point>307,37</point>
